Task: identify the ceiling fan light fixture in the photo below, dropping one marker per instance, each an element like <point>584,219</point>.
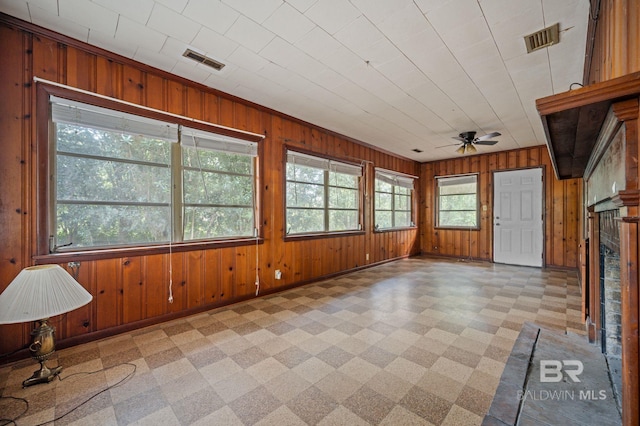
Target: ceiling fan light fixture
<point>460,150</point>
<point>471,149</point>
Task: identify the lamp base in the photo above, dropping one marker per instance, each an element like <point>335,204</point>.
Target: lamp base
<point>43,346</point>
<point>44,375</point>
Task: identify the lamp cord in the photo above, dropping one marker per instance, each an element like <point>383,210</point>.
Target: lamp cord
<point>4,421</point>
<point>121,381</point>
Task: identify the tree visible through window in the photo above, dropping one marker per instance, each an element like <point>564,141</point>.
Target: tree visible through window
<point>457,203</point>
<point>117,181</point>
<point>393,206</point>
<point>322,195</point>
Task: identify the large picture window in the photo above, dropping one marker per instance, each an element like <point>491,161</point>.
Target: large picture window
<point>123,179</point>
<point>322,195</point>
<point>457,203</point>
<point>393,205</point>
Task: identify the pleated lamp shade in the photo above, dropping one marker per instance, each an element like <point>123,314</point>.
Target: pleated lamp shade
<point>41,292</point>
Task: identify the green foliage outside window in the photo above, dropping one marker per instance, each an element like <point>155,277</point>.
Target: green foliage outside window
<point>321,200</point>
<point>392,205</point>
<point>111,188</point>
<point>457,201</point>
<point>114,188</point>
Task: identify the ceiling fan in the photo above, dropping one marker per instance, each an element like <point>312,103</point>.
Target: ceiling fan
<point>469,141</point>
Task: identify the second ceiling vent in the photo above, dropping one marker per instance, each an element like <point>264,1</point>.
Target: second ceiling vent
<point>543,38</point>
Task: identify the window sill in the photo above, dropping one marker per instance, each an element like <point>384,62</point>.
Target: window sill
<point>110,253</point>
<point>320,235</point>
<point>400,228</point>
<point>458,228</point>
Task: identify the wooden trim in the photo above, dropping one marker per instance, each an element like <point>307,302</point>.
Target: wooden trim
<point>317,236</point>
<point>52,89</point>
<point>594,277</point>
<point>626,110</point>
<point>573,120</point>
<point>630,303</point>
<point>592,29</point>
<point>403,228</point>
<point>627,198</point>
<point>616,89</point>
<point>68,41</point>
<point>111,253</point>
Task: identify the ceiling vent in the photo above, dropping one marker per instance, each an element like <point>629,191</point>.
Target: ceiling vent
<point>543,38</point>
<point>203,59</point>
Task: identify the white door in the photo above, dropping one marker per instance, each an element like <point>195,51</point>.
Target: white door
<point>517,222</point>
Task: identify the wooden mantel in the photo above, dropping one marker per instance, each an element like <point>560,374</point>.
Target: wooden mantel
<point>572,121</point>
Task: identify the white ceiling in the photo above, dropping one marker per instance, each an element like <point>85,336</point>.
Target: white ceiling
<point>397,74</point>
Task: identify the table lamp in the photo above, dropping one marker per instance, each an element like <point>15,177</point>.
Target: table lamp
<point>36,294</point>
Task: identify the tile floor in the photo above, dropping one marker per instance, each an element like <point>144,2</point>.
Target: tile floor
<point>417,341</point>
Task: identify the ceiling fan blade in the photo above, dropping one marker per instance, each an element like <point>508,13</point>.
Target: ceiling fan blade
<point>485,142</point>
<point>458,138</point>
<point>487,136</point>
<point>448,145</point>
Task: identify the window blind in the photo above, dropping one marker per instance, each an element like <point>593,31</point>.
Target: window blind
<point>216,142</point>
<point>395,179</point>
<point>457,180</point>
<point>323,163</point>
<point>80,114</point>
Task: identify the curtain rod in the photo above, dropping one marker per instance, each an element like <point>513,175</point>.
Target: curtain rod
<point>182,117</point>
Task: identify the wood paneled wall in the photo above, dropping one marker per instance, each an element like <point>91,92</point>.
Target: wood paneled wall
<point>562,207</point>
<point>613,41</point>
<point>130,291</point>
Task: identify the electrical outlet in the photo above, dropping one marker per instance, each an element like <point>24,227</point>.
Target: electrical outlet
<point>367,256</point>
<point>278,274</point>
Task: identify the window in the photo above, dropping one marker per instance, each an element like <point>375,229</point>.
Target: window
<point>322,195</point>
<point>218,185</point>
<point>123,179</point>
<point>457,204</point>
<point>393,205</point>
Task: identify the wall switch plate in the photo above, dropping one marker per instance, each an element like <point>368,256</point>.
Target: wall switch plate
<point>278,274</point>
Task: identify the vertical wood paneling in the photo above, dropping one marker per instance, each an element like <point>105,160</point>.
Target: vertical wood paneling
<point>132,85</point>
<point>107,73</point>
<point>176,276</point>
<point>14,165</point>
<point>193,276</point>
<point>82,69</point>
<point>155,281</point>
<point>136,288</point>
<point>562,207</point>
<point>79,321</point>
<point>132,290</point>
<point>107,297</point>
<point>227,274</point>
<point>616,40</point>
<point>155,92</point>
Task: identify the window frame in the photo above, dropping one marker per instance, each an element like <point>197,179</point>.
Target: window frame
<point>325,186</point>
<point>45,179</point>
<point>412,199</point>
<point>437,201</point>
